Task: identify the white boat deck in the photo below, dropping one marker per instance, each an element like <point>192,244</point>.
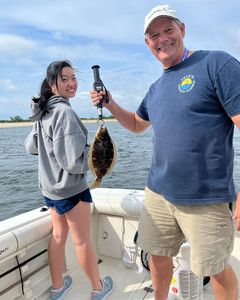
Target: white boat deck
<point>24,271</point>
<point>129,284</point>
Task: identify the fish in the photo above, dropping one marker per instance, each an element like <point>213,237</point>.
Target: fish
<point>102,156</point>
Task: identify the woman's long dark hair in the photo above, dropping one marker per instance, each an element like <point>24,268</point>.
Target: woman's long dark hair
<point>53,71</point>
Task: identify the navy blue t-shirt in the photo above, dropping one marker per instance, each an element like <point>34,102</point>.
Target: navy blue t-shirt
<point>190,109</point>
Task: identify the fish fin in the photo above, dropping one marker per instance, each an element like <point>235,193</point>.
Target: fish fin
<point>96,183</point>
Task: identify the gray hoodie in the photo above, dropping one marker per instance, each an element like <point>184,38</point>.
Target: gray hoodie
<point>59,139</point>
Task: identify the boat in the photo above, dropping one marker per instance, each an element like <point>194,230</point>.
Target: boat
<point>24,271</point>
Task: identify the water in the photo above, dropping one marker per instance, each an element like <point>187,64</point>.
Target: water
<point>19,190</point>
<point>18,170</point>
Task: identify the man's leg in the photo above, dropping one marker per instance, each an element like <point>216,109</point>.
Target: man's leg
<point>211,239</point>
<point>160,236</point>
<point>225,285</point>
<point>161,268</point>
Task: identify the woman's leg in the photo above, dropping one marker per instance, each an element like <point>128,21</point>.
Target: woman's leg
<point>56,248</point>
<point>79,222</point>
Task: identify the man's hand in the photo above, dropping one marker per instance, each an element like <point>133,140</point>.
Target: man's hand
<point>98,96</point>
<point>236,215</point>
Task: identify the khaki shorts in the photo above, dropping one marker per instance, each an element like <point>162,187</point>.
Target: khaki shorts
<point>163,227</point>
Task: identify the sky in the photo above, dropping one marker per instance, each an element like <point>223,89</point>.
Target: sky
<point>108,33</point>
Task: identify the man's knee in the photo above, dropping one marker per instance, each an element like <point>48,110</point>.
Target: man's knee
<point>163,262</point>
<point>162,259</point>
<point>224,275</point>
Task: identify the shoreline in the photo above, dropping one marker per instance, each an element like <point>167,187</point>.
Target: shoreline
<point>22,124</point>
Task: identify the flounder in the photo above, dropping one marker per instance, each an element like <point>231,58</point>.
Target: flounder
<point>102,155</point>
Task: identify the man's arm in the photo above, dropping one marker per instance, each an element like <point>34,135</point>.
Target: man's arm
<point>236,121</point>
<point>127,119</point>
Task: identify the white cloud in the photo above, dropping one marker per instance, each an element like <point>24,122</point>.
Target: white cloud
<point>14,45</point>
<point>233,40</point>
<point>8,85</point>
<point>80,18</point>
<point>83,94</point>
<point>34,33</point>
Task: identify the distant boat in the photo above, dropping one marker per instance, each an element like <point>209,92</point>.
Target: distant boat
<point>24,271</point>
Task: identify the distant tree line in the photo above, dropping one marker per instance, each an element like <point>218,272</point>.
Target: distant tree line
<point>15,119</point>
<point>20,119</point>
<point>105,117</point>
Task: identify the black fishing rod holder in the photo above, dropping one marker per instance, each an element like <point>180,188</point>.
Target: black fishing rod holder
<point>99,86</point>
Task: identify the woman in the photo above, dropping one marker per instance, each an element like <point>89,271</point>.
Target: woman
<point>59,139</point>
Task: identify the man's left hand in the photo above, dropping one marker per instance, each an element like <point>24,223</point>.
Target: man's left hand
<point>236,215</point>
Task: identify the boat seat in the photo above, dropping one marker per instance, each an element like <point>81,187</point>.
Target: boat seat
<point>118,202</point>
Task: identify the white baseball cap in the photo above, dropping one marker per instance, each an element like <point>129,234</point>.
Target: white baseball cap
<point>159,11</point>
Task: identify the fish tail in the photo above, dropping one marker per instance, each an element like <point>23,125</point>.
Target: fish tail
<point>96,183</point>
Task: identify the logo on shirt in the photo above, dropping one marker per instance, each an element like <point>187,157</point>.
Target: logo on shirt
<point>186,84</point>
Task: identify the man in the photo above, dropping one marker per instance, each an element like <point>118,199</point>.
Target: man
<point>192,109</point>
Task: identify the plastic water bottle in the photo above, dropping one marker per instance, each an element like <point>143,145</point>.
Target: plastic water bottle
<point>185,284</point>
<point>130,253</point>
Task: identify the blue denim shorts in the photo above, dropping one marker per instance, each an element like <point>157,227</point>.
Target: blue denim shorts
<point>64,205</point>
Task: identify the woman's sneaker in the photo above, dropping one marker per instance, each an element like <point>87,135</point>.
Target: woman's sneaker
<point>107,288</point>
<point>59,294</point>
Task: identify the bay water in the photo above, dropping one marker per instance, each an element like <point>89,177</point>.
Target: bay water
<point>19,190</point>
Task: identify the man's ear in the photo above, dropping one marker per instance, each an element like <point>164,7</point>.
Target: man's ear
<point>182,27</point>
<point>146,41</point>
